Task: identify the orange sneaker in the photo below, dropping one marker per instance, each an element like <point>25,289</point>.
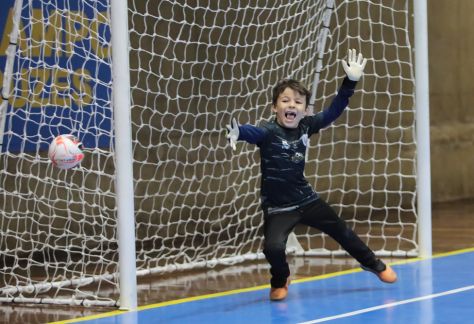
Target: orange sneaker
<point>277,294</point>
<point>387,276</point>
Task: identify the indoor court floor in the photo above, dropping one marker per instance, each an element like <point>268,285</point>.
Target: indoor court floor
<point>434,290</point>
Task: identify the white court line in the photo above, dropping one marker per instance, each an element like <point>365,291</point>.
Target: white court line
<point>406,301</point>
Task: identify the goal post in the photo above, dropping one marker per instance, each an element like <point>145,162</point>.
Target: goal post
<point>123,155</point>
<point>423,128</point>
<point>173,196</point>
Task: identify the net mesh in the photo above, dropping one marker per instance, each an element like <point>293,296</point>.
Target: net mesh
<point>193,66</point>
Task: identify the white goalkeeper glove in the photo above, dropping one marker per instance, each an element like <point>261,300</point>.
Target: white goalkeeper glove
<point>354,66</point>
<point>233,133</point>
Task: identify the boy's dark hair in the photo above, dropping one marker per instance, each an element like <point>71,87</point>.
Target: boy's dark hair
<point>292,84</point>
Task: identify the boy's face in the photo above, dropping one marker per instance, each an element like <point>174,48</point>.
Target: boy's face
<point>290,108</point>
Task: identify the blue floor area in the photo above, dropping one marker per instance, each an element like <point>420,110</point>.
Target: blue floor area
<point>438,290</point>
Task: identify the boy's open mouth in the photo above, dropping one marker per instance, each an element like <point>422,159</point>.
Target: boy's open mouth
<point>290,115</point>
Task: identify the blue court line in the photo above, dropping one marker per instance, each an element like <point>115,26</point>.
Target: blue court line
<point>345,296</point>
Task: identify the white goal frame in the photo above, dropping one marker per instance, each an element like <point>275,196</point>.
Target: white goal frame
<point>124,151</point>
<point>422,104</point>
<point>124,154</point>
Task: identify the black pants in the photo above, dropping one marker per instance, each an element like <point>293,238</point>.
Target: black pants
<point>317,214</point>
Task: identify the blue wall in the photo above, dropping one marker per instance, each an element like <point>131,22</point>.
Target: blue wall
<point>50,99</point>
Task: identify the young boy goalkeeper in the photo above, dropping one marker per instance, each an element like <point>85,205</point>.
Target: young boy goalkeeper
<point>287,198</point>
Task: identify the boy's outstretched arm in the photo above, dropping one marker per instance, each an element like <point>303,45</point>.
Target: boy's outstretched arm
<point>248,133</point>
<point>354,68</point>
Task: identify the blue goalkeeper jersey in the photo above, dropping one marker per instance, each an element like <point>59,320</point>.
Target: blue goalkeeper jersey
<point>283,151</point>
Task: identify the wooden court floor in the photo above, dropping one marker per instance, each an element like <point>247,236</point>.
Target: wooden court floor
<point>453,229</point>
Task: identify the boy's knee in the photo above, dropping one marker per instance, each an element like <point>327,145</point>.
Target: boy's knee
<point>274,248</point>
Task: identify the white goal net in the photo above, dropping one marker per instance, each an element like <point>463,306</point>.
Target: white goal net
<point>193,66</point>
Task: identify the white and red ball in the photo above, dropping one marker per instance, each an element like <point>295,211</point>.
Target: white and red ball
<point>65,151</point>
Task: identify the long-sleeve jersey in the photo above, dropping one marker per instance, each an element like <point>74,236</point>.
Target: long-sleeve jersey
<point>283,150</point>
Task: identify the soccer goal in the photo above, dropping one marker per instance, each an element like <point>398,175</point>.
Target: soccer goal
<point>150,107</point>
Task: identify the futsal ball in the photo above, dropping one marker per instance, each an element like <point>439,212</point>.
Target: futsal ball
<point>65,151</point>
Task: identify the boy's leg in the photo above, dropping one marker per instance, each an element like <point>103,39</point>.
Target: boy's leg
<point>276,229</point>
<point>323,217</point>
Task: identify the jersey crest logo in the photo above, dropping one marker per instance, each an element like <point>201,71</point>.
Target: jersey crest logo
<point>298,157</point>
